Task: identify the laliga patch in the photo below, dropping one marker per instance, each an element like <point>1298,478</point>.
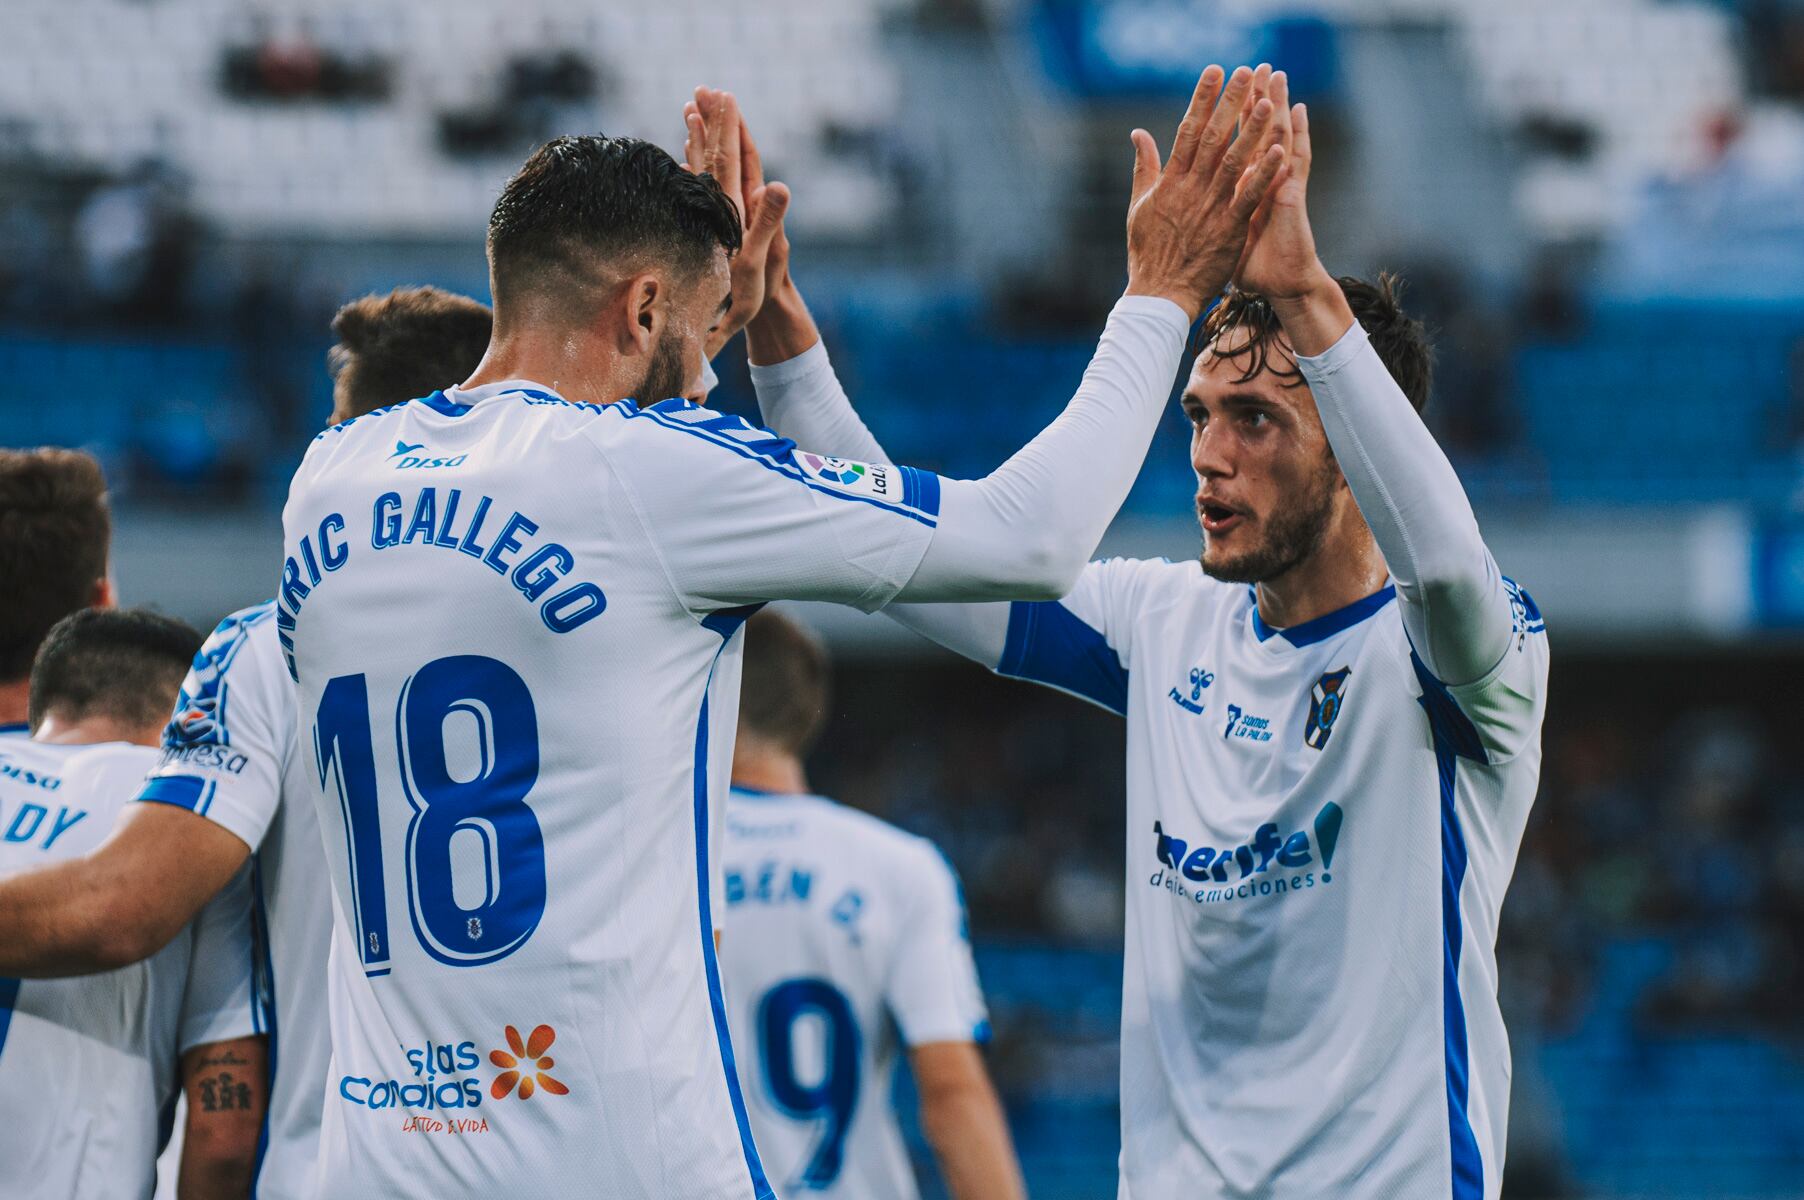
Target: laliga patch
<point>877,480</point>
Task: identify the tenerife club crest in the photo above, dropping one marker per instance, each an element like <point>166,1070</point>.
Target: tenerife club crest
<point>1325,701</point>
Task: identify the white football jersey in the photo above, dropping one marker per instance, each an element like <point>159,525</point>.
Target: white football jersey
<point>229,755</point>
<point>844,939</point>
<point>88,1064</point>
<point>1319,838</point>
<point>514,622</point>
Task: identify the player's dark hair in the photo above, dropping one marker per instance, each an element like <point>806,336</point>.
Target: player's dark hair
<point>1400,340</point>
<point>126,664</point>
<point>54,533</point>
<point>408,343</point>
<point>584,200</point>
<point>783,696</point>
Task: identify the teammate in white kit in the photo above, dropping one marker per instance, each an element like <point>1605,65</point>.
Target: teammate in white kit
<point>89,1066</point>
<point>518,664</point>
<point>1328,771</point>
<point>844,941</point>
<point>221,789</point>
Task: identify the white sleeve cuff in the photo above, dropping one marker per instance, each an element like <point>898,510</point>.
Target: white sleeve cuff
<point>809,362</point>
<point>1352,345</point>
<point>1153,306</point>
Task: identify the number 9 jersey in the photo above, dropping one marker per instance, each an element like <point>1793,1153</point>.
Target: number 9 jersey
<point>513,622</point>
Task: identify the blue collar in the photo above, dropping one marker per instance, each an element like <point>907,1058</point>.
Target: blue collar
<point>1328,624</point>
<point>18,727</point>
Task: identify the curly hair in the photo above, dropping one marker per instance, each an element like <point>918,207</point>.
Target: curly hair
<point>1400,340</point>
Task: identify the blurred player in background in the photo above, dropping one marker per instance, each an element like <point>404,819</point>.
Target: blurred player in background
<point>55,534</point>
<point>844,938</point>
<point>518,662</point>
<point>220,789</point>
<point>87,1065</point>
<point>1333,742</point>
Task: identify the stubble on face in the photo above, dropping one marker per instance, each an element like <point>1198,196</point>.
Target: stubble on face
<point>1292,534</point>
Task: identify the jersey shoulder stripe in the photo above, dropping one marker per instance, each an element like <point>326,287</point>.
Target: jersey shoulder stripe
<point>920,492</point>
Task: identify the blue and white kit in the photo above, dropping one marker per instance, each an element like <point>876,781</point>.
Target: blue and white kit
<point>844,940</point>
<point>229,755</point>
<point>514,622</point>
<point>1319,829</point>
<point>89,1064</point>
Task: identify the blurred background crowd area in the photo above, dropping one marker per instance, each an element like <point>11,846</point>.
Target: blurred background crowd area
<point>1598,205</point>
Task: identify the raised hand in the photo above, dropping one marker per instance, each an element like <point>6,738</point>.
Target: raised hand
<point>1280,262</point>
<point>1187,222</point>
<point>717,141</point>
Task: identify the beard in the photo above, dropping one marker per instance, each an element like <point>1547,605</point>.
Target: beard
<point>1292,536</point>
<point>665,376</point>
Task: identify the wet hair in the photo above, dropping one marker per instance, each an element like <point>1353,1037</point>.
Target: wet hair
<point>55,528</point>
<point>583,201</point>
<point>408,343</point>
<point>126,664</point>
<point>783,695</point>
<point>1400,340</point>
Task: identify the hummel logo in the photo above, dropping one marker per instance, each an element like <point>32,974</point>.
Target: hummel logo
<point>403,448</point>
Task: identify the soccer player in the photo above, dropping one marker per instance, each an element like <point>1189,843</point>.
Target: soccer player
<point>518,661</point>
<point>227,783</point>
<point>88,1064</point>
<point>55,532</point>
<point>844,940</point>
<point>1333,742</point>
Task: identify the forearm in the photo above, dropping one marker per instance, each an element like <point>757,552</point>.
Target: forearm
<point>56,923</point>
<point>1454,606</point>
<point>971,1143</point>
<point>226,1085</point>
<point>1026,530</point>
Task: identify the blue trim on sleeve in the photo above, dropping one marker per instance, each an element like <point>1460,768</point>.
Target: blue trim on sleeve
<point>921,489</point>
<point>727,621</point>
<point>1449,721</point>
<point>1050,644</point>
<point>761,1188</point>
<point>1468,1168</point>
<point>1321,628</point>
<point>19,727</point>
<point>183,791</point>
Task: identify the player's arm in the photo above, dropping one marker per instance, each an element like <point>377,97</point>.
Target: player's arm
<point>121,902</point>
<point>224,1057</point>
<point>964,1122</point>
<point>1029,527</point>
<point>227,1088</point>
<point>1454,605</point>
<point>203,808</point>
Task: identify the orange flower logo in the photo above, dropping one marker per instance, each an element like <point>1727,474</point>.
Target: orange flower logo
<point>527,1064</point>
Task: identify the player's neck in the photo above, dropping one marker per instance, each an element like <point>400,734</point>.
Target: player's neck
<point>14,702</point>
<point>1345,568</point>
<point>768,771</point>
<point>90,731</point>
<point>573,366</point>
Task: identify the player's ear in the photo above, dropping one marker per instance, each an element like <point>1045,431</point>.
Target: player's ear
<point>644,299</point>
<point>106,592</point>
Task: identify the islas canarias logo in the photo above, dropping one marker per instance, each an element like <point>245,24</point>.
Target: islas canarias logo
<point>524,1065</point>
<point>445,1075</point>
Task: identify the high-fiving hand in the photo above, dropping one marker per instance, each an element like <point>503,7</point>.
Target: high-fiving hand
<point>1188,219</point>
<point>716,141</point>
<point>1280,262</point>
